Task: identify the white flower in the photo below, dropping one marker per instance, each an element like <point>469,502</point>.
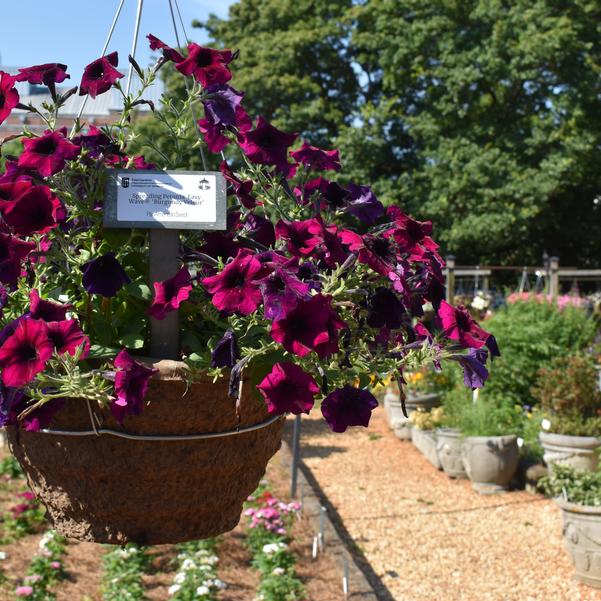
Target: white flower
<point>203,590</point>
<point>180,577</point>
<point>479,303</point>
<point>545,424</point>
<point>3,555</point>
<point>271,548</point>
<point>188,564</point>
<point>520,442</point>
<point>278,571</point>
<point>173,589</point>
<point>219,584</point>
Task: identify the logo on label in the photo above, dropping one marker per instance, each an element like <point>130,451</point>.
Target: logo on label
<point>125,182</point>
<point>204,184</point>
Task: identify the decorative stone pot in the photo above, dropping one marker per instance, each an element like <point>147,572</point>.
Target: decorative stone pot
<point>448,447</point>
<point>490,461</point>
<point>109,489</point>
<point>582,535</point>
<point>425,441</point>
<point>579,452</point>
<point>394,410</point>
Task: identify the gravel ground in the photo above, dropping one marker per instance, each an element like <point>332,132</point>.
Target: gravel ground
<point>428,537</point>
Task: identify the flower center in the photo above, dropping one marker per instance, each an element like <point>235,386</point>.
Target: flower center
<point>96,71</point>
<point>2,100</point>
<point>463,321</point>
<point>204,58</point>
<point>46,146</point>
<point>28,353</point>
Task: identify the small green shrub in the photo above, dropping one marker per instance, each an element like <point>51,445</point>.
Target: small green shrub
<point>576,486</point>
<point>487,416</point>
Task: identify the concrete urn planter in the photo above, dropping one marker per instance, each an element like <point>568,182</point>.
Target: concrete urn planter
<point>448,446</point>
<point>490,462</point>
<point>394,410</point>
<point>582,535</point>
<point>425,441</point>
<point>579,452</point>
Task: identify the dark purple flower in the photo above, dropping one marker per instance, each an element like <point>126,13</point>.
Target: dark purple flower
<point>267,145</point>
<point>312,325</point>
<point>363,204</point>
<point>316,158</point>
<point>42,417</point>
<point>242,189</point>
<point>131,384</point>
<point>12,253</point>
<point>10,401</point>
<point>48,154</point>
<point>385,310</point>
<point>474,367</point>
<point>46,310</point>
<point>36,212</point>
<point>96,142</point>
<point>3,298</point>
<point>213,135</point>
<point>104,275</point>
<point>348,406</point>
<point>168,52</point>
<point>226,352</point>
<point>282,290</point>
<point>308,272</point>
<point>219,245</point>
<point>288,389</point>
<point>170,294</point>
<point>206,65</point>
<point>236,287</point>
<point>302,236</point>
<point>260,229</point>
<point>47,74</point>
<point>9,97</point>
<point>221,104</point>
<point>100,75</point>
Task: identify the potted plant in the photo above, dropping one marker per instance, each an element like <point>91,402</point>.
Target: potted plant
<point>490,450</point>
<point>312,287</point>
<point>578,494</point>
<point>423,436</point>
<point>570,400</point>
<point>449,440</point>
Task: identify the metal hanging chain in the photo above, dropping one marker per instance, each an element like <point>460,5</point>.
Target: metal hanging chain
<point>134,44</point>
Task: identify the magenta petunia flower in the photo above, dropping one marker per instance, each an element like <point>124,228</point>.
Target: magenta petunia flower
<point>168,52</point>
<point>47,74</point>
<point>212,135</point>
<point>288,389</point>
<point>36,212</point>
<point>242,189</point>
<point>131,384</point>
<point>458,325</point>
<point>334,253</point>
<point>67,337</point>
<point>206,65</point>
<point>267,145</point>
<point>100,75</point>
<point>302,237</point>
<point>236,289</point>
<point>312,325</point>
<point>376,251</point>
<point>104,275</point>
<point>25,353</point>
<point>316,158</point>
<point>169,294</point>
<point>46,310</point>
<point>12,253</point>
<point>48,154</point>
<point>9,97</point>
<point>348,406</point>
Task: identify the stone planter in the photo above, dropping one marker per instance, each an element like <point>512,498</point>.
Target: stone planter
<point>582,535</point>
<point>448,446</point>
<point>394,410</point>
<point>425,442</point>
<point>490,462</point>
<point>579,452</point>
<point>109,489</point>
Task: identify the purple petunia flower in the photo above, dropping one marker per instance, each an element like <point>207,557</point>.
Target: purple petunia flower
<point>281,291</point>
<point>97,142</point>
<point>221,104</point>
<point>260,229</point>
<point>287,388</point>
<point>48,154</point>
<point>100,75</point>
<point>46,310</point>
<point>9,97</point>
<point>131,384</point>
<point>348,406</point>
<point>206,65</point>
<point>47,74</point>
<point>170,294</point>
<point>226,352</point>
<point>474,367</point>
<point>242,189</point>
<point>316,158</point>
<point>385,310</point>
<point>363,204</point>
<point>104,275</point>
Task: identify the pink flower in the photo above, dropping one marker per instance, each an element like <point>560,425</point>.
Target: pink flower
<point>287,388</point>
<point>302,237</point>
<point>55,565</point>
<point>36,212</point>
<point>169,294</point>
<point>206,65</point>
<point>48,153</point>
<point>100,75</point>
<point>458,325</point>
<point>67,337</point>
<point>48,74</point>
<point>24,591</point>
<point>25,353</point>
<point>9,97</point>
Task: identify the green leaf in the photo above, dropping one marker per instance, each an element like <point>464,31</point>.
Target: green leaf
<point>139,290</point>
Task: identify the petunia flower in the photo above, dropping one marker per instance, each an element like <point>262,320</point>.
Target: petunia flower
<point>282,291</point>
<point>316,158</point>
<point>41,417</point>
<point>363,204</point>
<point>474,367</point>
<point>104,275</point>
<point>97,143</point>
<point>9,97</point>
<point>131,385</point>
<point>221,104</point>
<point>226,352</point>
<point>36,212</point>
<point>48,154</point>
<point>212,135</point>
<point>458,325</point>
<point>288,389</point>
<point>260,229</point>
<point>24,353</point>
<point>12,253</point>
<point>267,145</point>
<point>385,310</point>
<point>67,337</point>
<point>206,65</point>
<point>241,188</point>
<point>348,406</point>
<point>46,310</point>
<point>100,75</point>
<point>170,293</point>
<point>47,74</point>
<point>168,52</point>
<point>376,251</point>
<point>312,325</point>
<point>236,289</point>
<point>302,237</point>
<point>219,245</point>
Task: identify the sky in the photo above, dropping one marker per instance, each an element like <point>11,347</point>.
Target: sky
<point>73,32</point>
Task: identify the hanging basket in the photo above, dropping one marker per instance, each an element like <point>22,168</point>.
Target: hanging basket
<point>148,490</point>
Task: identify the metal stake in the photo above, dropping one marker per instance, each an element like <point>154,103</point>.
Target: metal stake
<point>295,455</point>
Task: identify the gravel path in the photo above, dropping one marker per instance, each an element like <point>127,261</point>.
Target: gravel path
<point>430,538</point>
